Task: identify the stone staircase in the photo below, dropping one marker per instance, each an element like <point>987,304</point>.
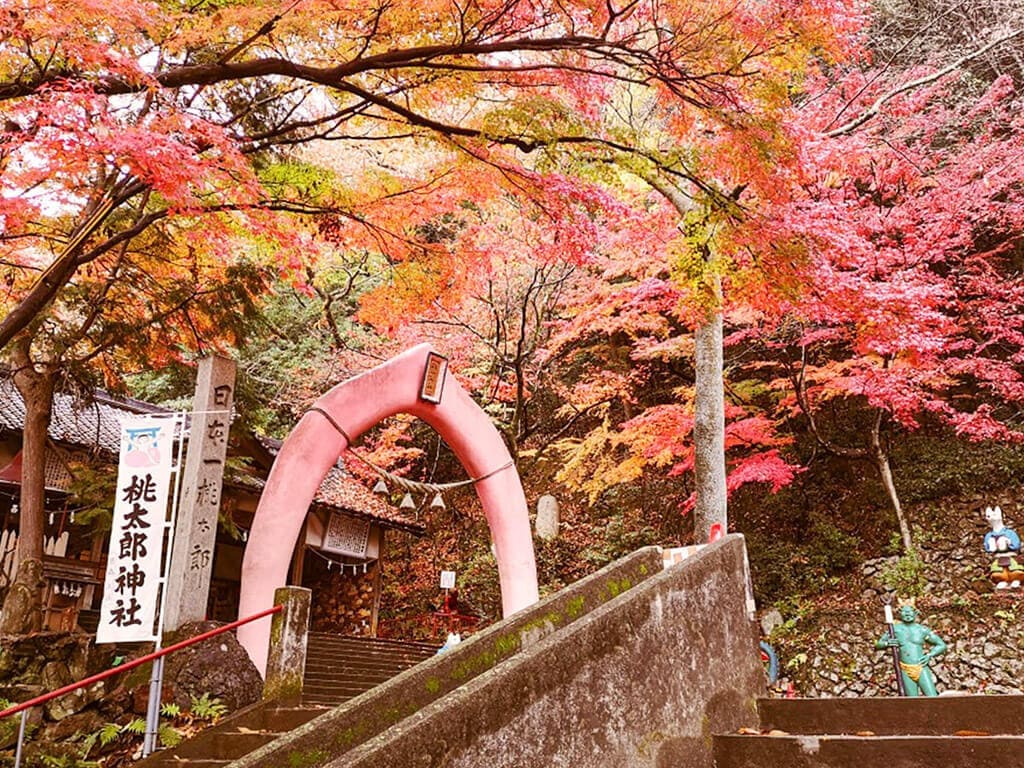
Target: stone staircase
<point>634,665</point>
<point>234,737</point>
<point>946,731</point>
<point>337,669</point>
<point>340,668</point>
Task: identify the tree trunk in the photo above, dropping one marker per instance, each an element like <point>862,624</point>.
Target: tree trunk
<point>885,472</point>
<point>709,422</point>
<point>709,387</point>
<point>35,383</point>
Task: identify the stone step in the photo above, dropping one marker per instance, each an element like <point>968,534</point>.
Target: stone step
<point>922,716</point>
<point>315,658</point>
<point>332,697</point>
<point>319,639</point>
<point>168,759</point>
<point>812,751</point>
<point>390,646</point>
<point>329,666</point>
<point>346,687</point>
<point>268,718</point>
<point>341,668</point>
<point>317,661</point>
<point>359,663</point>
<point>369,646</point>
<point>236,736</point>
<point>228,745</point>
<point>334,671</point>
<point>327,701</point>
<point>388,652</point>
<point>349,683</point>
<point>332,686</point>
<point>317,685</point>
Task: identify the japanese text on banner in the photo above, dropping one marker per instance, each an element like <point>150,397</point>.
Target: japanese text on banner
<point>130,592</point>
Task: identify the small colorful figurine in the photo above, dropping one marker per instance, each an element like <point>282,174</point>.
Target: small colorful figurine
<point>454,638</point>
<point>910,637</point>
<point>1005,571</point>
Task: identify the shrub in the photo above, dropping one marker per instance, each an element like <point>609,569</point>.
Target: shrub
<point>906,575</point>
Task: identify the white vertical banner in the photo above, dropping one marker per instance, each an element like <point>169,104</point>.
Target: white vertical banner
<point>131,587</point>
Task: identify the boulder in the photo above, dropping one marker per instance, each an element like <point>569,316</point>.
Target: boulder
<point>219,667</point>
<point>83,723</point>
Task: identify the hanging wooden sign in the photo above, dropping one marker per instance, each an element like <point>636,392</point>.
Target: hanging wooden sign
<point>346,535</point>
<point>433,378</point>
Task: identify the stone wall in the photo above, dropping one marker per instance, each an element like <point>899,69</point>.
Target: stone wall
<point>32,665</point>
<point>35,664</point>
<point>955,563</point>
<point>829,649</point>
<point>834,653</point>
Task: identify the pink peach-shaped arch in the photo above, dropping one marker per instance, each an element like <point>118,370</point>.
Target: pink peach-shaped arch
<point>313,447</point>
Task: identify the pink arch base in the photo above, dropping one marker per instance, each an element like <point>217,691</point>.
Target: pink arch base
<point>314,446</point>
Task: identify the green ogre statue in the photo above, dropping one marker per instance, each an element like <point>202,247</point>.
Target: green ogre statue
<point>910,638</point>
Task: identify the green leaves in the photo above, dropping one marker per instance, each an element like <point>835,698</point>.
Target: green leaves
<point>207,708</point>
<point>176,726</point>
<point>312,184</point>
<point>906,576</point>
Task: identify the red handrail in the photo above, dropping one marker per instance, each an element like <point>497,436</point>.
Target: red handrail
<point>136,662</point>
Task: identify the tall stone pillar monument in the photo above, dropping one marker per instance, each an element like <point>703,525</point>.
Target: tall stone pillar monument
<point>188,579</point>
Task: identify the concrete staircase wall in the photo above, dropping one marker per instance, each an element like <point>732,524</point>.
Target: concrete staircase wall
<point>338,731</point>
<point>637,683</point>
<point>613,671</point>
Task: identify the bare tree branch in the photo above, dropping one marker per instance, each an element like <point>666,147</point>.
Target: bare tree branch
<point>874,109</point>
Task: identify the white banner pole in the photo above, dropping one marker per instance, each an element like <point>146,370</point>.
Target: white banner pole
<point>156,679</point>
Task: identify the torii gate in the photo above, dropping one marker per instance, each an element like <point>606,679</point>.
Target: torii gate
<point>313,447</point>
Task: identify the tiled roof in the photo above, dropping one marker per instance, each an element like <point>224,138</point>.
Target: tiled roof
<point>88,425</point>
<point>339,490</point>
<point>97,424</point>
